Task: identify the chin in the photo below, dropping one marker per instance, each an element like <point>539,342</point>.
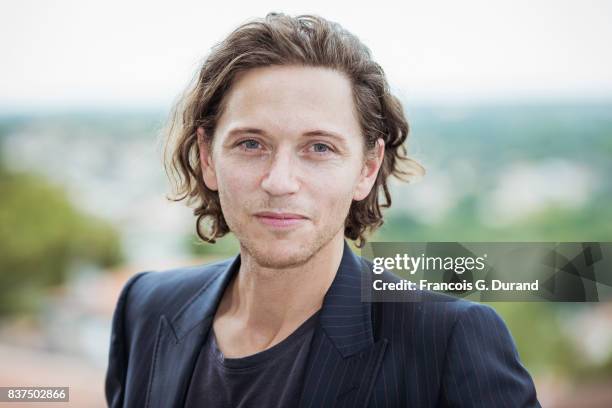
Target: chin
<point>280,253</point>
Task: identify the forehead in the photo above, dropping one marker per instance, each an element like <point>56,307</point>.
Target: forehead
<point>291,99</point>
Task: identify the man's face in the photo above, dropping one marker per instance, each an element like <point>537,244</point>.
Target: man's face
<point>288,144</point>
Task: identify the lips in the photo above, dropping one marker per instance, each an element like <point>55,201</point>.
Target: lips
<point>280,220</point>
<point>280,216</point>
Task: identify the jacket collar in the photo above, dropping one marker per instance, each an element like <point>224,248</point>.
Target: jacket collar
<point>342,342</point>
<point>344,317</point>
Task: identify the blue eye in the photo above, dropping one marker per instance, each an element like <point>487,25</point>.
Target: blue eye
<point>253,145</point>
<point>249,144</point>
<point>318,147</point>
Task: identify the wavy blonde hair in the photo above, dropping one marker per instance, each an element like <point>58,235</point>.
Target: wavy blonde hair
<point>279,39</point>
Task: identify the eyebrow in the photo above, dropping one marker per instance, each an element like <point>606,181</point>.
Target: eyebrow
<point>317,132</point>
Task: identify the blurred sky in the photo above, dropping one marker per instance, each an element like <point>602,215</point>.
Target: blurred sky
<point>141,54</point>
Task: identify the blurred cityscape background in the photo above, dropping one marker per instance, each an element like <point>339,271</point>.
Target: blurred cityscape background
<point>514,152</point>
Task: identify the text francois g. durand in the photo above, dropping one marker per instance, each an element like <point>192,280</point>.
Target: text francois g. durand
<point>459,265</point>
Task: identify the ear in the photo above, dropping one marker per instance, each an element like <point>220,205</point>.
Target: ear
<point>206,163</point>
<point>369,171</point>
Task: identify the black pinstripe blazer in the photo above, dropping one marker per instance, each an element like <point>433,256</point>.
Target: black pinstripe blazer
<point>399,354</point>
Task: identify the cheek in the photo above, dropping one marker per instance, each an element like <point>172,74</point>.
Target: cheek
<point>334,192</point>
<point>236,190</point>
<point>324,186</point>
<point>236,177</point>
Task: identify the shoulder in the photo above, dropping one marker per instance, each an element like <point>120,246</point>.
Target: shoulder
<point>434,313</point>
<point>461,348</point>
<point>153,293</point>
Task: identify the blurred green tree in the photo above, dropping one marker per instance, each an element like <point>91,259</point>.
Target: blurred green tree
<point>41,235</point>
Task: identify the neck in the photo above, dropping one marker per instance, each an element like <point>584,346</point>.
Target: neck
<point>271,302</point>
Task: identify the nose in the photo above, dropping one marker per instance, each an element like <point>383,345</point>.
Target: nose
<point>280,179</point>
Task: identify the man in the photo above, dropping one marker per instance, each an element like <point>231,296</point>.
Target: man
<point>287,139</point>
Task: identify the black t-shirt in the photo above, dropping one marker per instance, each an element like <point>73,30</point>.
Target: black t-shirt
<point>270,378</point>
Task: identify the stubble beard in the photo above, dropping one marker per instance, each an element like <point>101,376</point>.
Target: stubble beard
<point>267,255</point>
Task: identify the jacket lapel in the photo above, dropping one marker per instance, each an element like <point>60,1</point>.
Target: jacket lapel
<point>344,358</point>
<point>179,342</point>
<point>343,362</point>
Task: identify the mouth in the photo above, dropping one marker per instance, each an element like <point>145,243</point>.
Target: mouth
<point>280,220</point>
